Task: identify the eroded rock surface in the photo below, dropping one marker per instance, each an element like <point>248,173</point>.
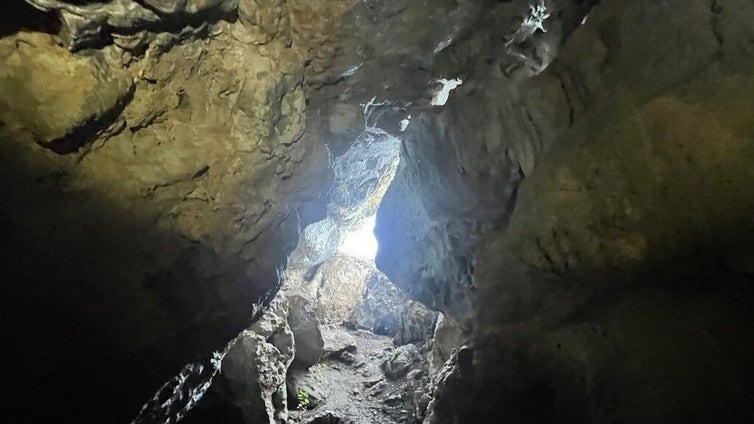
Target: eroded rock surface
<point>578,209</point>
<point>255,368</point>
<point>159,183</point>
<point>589,226</point>
<point>62,100</point>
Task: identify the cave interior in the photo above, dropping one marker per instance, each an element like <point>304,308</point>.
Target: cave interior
<point>377,211</point>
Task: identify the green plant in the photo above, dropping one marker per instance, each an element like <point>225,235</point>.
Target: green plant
<point>303,399</point>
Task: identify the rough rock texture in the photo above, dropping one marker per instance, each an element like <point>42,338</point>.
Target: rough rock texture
<point>417,324</point>
<point>462,162</point>
<point>447,336</point>
<point>337,287</point>
<point>595,211</point>
<point>62,100</point>
<point>581,203</point>
<point>357,391</point>
<point>180,184</point>
<point>379,309</point>
<point>89,25</point>
<point>451,389</point>
<point>383,309</point>
<point>361,177</point>
<point>621,265</point>
<point>305,327</point>
<point>401,361</point>
<point>310,383</point>
<point>255,367</point>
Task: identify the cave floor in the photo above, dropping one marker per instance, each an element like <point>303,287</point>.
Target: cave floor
<point>352,379</point>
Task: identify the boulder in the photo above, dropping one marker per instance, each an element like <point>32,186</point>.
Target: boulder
<point>417,324</point>
<point>379,310</point>
<point>338,343</point>
<point>402,360</point>
<point>448,336</point>
<point>306,333</point>
<point>308,383</point>
<point>255,367</point>
<point>338,286</point>
<point>384,310</point>
<point>452,389</point>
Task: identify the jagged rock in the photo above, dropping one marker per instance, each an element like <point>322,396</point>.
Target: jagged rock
<point>328,417</point>
<point>614,230</point>
<point>401,361</point>
<point>452,389</point>
<point>305,327</point>
<point>87,25</point>
<point>190,195</point>
<point>65,101</point>
<point>337,287</point>
<point>383,309</point>
<point>190,6</point>
<point>307,383</point>
<point>361,176</point>
<point>592,224</point>
<point>255,368</point>
<point>337,344</point>
<point>261,20</point>
<point>379,309</point>
<point>447,337</point>
<point>416,325</point>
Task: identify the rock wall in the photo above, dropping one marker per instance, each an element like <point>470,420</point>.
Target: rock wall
<point>580,204</point>
<point>462,162</point>
<point>618,291</point>
<point>157,179</point>
<point>585,211</point>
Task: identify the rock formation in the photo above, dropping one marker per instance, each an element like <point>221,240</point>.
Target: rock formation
<point>577,210</point>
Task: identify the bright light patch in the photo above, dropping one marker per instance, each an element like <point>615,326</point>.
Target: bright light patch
<point>361,242</point>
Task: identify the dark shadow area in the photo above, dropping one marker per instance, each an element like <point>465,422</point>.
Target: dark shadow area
<point>17,15</point>
<point>681,326</point>
<point>214,408</point>
<point>101,308</point>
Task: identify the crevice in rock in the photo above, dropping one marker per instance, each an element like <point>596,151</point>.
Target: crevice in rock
<point>561,192</point>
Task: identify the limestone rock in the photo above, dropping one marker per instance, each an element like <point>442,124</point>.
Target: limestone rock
<point>447,337</point>
<point>65,101</point>
<point>306,383</point>
<point>88,24</point>
<point>402,360</point>
<point>452,389</point>
<point>379,310</point>
<point>306,333</point>
<point>383,309</point>
<point>328,417</point>
<point>417,323</point>
<point>261,20</point>
<point>255,368</point>
<point>338,342</point>
<point>612,234</point>
<point>337,287</point>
